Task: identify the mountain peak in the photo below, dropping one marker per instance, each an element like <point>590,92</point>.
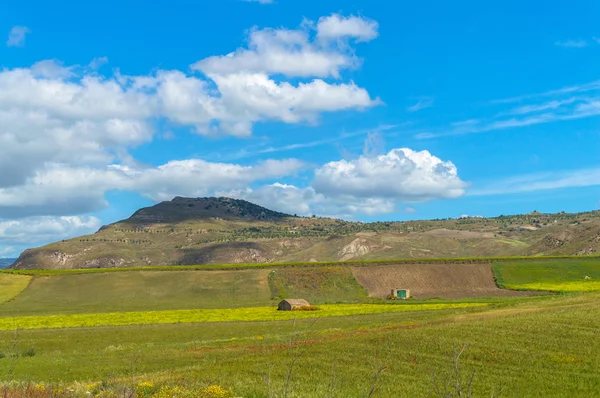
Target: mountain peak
<point>181,209</point>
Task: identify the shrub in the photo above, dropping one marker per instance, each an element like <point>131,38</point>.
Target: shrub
<point>30,352</point>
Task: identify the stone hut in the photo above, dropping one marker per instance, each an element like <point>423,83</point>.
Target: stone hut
<point>290,304</point>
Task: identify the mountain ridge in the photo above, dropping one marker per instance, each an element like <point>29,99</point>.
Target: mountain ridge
<point>187,231</point>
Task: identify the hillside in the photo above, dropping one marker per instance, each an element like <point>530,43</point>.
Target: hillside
<point>222,230</point>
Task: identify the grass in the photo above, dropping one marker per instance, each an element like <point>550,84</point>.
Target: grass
<point>338,356</point>
<point>249,314</point>
<point>213,267</point>
<point>550,275</point>
<point>327,284</point>
<point>96,328</point>
<point>139,291</point>
<point>12,285</point>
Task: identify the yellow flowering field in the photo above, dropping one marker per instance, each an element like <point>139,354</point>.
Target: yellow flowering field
<point>12,285</point>
<point>214,315</point>
<point>579,286</point>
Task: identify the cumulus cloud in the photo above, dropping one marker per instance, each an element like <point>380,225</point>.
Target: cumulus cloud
<point>337,26</point>
<point>16,36</point>
<point>35,229</point>
<point>60,189</point>
<point>402,175</point>
<point>368,185</point>
<point>56,114</point>
<point>295,52</point>
<point>16,235</point>
<point>306,201</point>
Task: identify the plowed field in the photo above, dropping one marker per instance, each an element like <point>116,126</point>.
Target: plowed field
<point>432,280</point>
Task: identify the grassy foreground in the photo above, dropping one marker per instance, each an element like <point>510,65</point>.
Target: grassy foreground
<point>337,356</point>
<point>69,335</point>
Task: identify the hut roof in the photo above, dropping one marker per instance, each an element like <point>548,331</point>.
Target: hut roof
<point>296,302</point>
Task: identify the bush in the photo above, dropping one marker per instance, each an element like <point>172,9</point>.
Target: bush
<point>30,352</point>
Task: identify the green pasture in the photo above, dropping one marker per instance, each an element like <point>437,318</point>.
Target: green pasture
<point>568,275</point>
<point>12,285</point>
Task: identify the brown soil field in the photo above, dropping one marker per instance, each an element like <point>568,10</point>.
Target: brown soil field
<point>432,280</point>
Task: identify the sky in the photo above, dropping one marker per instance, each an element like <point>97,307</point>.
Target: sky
<point>362,110</point>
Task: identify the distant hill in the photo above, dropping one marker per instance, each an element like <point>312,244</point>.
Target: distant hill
<point>5,262</point>
<point>187,209</point>
<point>223,230</point>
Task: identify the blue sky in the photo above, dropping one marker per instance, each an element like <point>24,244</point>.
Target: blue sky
<point>365,110</point>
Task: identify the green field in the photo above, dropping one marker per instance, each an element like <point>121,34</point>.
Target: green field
<point>139,291</point>
<point>112,331</point>
<point>552,275</point>
<point>327,284</point>
<point>12,285</point>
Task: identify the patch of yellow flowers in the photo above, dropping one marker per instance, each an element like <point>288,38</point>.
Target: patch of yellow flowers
<point>571,286</point>
<point>215,315</point>
<point>145,389</point>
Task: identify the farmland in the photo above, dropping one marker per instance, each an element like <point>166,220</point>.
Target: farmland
<point>147,330</point>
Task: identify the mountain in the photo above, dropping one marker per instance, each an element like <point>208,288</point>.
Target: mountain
<point>5,262</point>
<point>223,230</point>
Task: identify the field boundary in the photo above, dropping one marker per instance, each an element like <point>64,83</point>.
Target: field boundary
<point>353,263</point>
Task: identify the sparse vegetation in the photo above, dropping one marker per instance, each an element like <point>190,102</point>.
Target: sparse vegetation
<point>221,230</point>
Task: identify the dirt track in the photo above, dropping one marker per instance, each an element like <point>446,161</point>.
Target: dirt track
<point>432,280</point>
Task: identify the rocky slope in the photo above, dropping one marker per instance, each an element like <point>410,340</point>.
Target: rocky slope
<point>223,230</point>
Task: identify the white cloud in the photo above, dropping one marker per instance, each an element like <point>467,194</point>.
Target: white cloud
<point>51,113</point>
<point>16,36</point>
<point>368,185</point>
<point>51,69</point>
<point>60,189</point>
<point>260,1</point>
<point>9,252</point>
<point>247,98</point>
<point>282,51</point>
<point>402,175</point>
<point>306,202</point>
<point>17,235</point>
<point>546,111</point>
<point>337,26</point>
<point>96,63</point>
<point>540,182</point>
<point>34,229</point>
<point>423,103</point>
<point>579,43</point>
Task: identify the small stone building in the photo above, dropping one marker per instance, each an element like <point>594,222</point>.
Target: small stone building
<point>401,293</point>
<point>290,304</point>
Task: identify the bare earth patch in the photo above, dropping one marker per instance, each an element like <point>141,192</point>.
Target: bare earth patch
<point>432,280</point>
